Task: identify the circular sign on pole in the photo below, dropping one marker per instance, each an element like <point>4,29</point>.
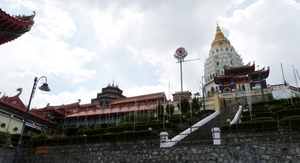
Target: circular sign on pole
<point>180,53</point>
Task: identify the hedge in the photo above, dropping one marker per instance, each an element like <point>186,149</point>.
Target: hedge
<point>286,113</point>
<point>4,138</point>
<point>292,121</point>
<point>110,137</point>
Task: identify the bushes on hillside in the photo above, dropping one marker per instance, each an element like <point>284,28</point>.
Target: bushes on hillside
<point>4,138</point>
<point>292,121</point>
<point>285,113</point>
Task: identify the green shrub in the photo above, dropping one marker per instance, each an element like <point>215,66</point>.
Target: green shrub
<point>71,131</point>
<point>225,128</point>
<point>263,114</point>
<point>274,108</point>
<point>292,121</point>
<point>262,119</point>
<point>15,138</point>
<point>256,124</point>
<point>4,138</point>
<point>40,136</point>
<point>126,124</point>
<point>286,113</point>
<point>245,118</point>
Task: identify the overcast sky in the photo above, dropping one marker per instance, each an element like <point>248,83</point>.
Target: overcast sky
<point>82,46</point>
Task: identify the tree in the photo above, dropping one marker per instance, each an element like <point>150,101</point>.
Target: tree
<point>159,110</point>
<point>195,105</point>
<point>170,109</point>
<point>184,105</point>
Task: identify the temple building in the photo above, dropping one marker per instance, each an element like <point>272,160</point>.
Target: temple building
<point>110,106</point>
<point>108,94</point>
<point>228,82</point>
<point>12,111</point>
<point>221,54</point>
<point>12,27</point>
<point>242,78</point>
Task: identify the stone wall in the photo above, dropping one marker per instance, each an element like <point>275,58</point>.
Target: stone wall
<point>279,146</point>
<point>232,104</point>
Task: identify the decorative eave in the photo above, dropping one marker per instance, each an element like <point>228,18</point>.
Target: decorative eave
<point>239,70</point>
<point>262,71</point>
<point>23,111</point>
<point>12,27</point>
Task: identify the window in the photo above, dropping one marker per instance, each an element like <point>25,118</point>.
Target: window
<point>15,129</point>
<point>227,89</point>
<point>3,125</point>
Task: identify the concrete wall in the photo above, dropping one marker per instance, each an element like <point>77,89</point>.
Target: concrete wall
<point>11,123</point>
<point>280,146</point>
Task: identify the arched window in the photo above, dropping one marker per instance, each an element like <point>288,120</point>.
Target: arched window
<point>243,87</point>
<point>212,89</point>
<point>227,89</point>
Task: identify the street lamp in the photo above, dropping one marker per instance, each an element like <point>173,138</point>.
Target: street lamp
<point>45,88</point>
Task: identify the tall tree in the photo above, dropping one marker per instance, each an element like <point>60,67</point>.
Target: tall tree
<point>184,105</point>
<point>195,105</point>
<point>170,109</point>
<point>159,110</point>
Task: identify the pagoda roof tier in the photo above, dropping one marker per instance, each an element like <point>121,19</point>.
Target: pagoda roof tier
<point>254,75</point>
<point>12,27</point>
<point>262,71</point>
<point>229,77</point>
<point>241,70</point>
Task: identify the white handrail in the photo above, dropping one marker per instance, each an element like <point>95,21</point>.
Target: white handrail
<point>188,131</point>
<point>237,115</point>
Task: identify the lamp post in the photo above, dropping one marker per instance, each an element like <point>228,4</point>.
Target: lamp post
<point>44,87</point>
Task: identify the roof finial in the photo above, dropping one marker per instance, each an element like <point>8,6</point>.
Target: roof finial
<point>217,23</point>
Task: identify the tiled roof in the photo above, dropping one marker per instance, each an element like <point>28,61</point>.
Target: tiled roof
<point>12,27</point>
<point>139,98</point>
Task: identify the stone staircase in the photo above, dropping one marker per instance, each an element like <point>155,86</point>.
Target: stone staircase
<point>203,135</point>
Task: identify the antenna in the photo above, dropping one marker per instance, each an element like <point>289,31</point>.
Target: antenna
<point>283,74</point>
<point>297,74</point>
<point>295,77</point>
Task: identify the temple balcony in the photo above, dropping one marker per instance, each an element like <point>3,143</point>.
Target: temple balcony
<point>237,93</point>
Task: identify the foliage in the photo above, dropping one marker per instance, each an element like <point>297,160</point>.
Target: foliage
<point>292,121</point>
<point>262,119</point>
<point>112,137</point>
<point>4,138</point>
<point>125,124</point>
<point>245,118</point>
<point>225,128</point>
<point>184,105</point>
<point>170,109</point>
<point>196,105</point>
<point>15,138</point>
<point>160,110</point>
<point>286,113</point>
<point>274,108</point>
<point>263,114</point>
<point>39,136</point>
<point>71,131</point>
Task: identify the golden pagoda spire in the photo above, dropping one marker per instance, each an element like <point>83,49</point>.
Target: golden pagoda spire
<point>220,39</point>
